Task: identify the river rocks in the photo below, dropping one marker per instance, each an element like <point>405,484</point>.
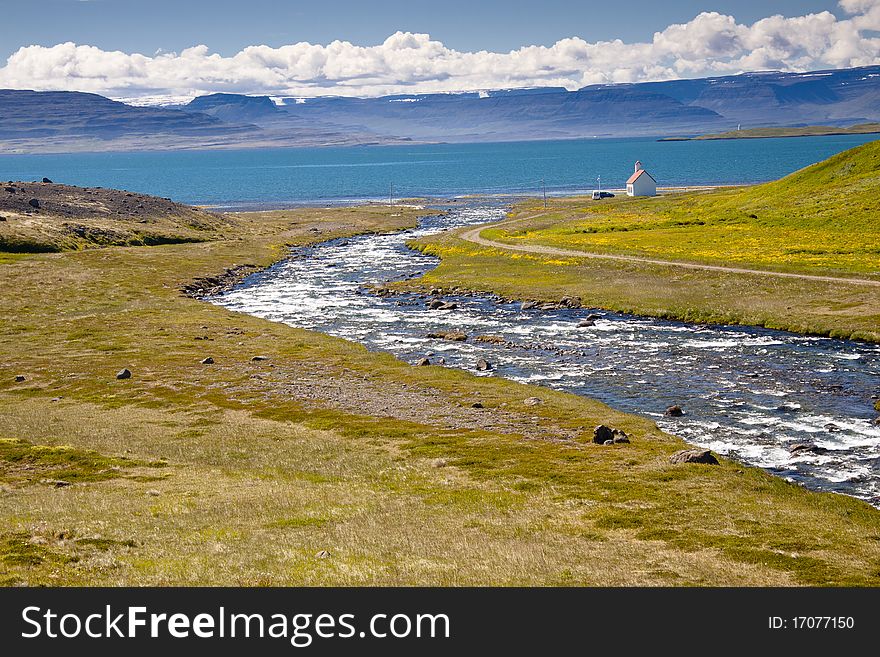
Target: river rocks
<point>437,304</point>
<point>593,317</point>
<point>585,323</point>
<point>674,411</point>
<point>528,305</point>
<point>382,291</point>
<point>449,305</point>
<point>491,339</point>
<point>570,302</point>
<point>20,378</point>
<point>483,365</point>
<point>436,292</point>
<point>603,434</point>
<point>423,362</point>
<point>34,203</point>
<point>454,336</point>
<point>207,361</point>
<point>877,421</point>
<point>806,448</point>
<point>124,373</point>
<point>694,455</point>
<point>533,401</point>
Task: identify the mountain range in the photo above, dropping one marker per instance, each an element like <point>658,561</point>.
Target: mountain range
<point>32,121</point>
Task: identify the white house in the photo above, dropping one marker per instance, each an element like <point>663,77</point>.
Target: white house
<point>641,183</point>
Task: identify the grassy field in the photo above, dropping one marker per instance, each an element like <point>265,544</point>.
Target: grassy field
<point>804,131</point>
<point>823,220</point>
<point>327,464</point>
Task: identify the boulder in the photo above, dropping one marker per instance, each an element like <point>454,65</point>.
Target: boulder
<point>476,405</point>
<point>620,436</point>
<point>323,554</point>
<point>124,373</point>
<point>593,317</point>
<point>483,365</point>
<point>20,378</point>
<point>528,305</point>
<point>533,401</point>
<point>2,218</point>
<point>603,435</point>
<point>674,411</point>
<point>694,455</point>
<point>423,362</point>
<point>257,359</point>
<point>207,361</point>
<point>449,305</point>
<point>877,421</point>
<point>806,448</point>
<point>585,323</point>
<point>455,336</point>
<point>435,304</point>
<point>46,180</point>
<point>34,203</point>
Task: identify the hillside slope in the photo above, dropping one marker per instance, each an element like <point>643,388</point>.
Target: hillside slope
<point>45,217</point>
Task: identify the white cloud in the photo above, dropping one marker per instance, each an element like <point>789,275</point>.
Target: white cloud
<point>709,44</point>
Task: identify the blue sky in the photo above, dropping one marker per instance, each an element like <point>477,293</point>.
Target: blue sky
<point>164,51</point>
<point>226,26</point>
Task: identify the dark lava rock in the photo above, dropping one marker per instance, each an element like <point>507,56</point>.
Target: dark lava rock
<point>34,203</point>
<point>694,456</point>
<point>603,435</point>
<point>123,374</point>
<point>46,180</point>
<point>20,378</point>
<point>806,448</point>
<point>207,361</point>
<point>484,365</point>
<point>423,362</point>
<point>674,411</point>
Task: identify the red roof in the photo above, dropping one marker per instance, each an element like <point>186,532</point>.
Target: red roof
<point>636,175</point>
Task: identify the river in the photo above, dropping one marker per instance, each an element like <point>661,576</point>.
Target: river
<point>748,393</point>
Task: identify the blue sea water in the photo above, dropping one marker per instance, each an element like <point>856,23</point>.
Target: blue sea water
<point>278,177</point>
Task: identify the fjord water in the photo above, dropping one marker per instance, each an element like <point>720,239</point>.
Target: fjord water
<point>283,177</point>
<point>748,393</point>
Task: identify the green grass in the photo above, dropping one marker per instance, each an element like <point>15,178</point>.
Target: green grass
<point>238,473</point>
<point>823,220</point>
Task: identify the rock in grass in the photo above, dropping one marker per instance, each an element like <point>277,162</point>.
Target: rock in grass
<point>20,378</point>
<point>484,365</point>
<point>476,405</point>
<point>423,362</point>
<point>674,411</point>
<point>56,483</point>
<point>602,435</point>
<point>207,361</point>
<point>34,203</point>
<point>694,456</point>
<point>323,554</point>
<point>124,373</point>
<point>533,401</point>
<point>620,436</point>
<point>257,359</point>
<point>2,218</point>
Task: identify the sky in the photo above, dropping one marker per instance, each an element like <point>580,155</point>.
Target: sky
<point>170,50</point>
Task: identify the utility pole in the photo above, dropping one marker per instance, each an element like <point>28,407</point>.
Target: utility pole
<point>544,193</point>
<point>391,195</point>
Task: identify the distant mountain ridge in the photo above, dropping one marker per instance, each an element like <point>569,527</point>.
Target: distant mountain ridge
<point>43,121</point>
